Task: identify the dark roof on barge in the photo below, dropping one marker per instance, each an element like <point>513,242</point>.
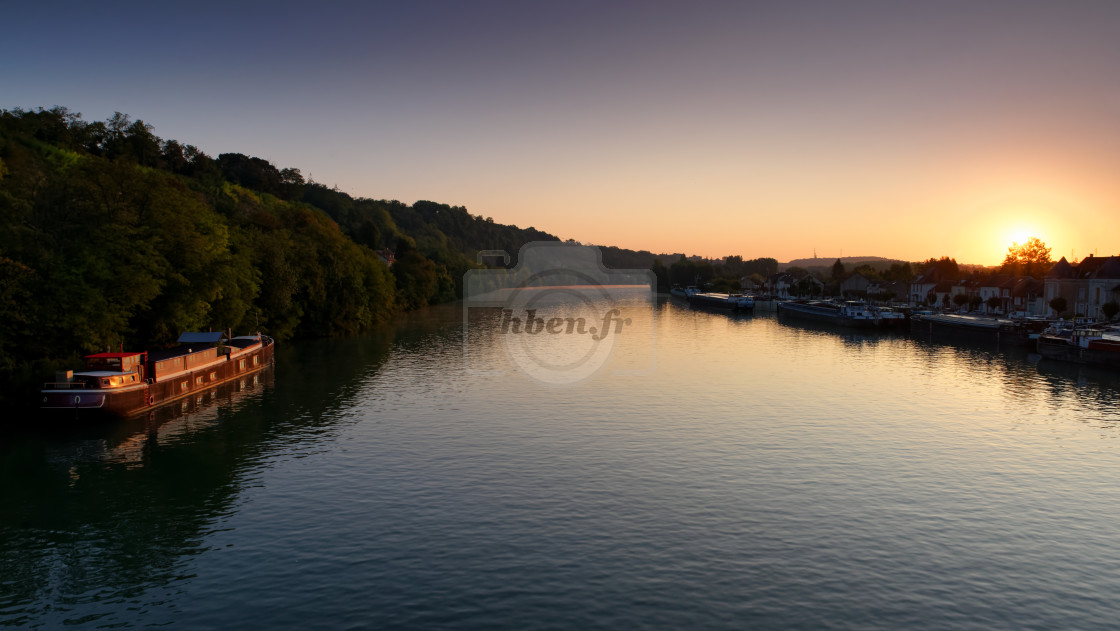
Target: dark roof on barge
<point>207,337</point>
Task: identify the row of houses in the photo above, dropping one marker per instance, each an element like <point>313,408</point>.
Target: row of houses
<point>1002,293</point>
<point>1085,286</point>
<point>801,284</point>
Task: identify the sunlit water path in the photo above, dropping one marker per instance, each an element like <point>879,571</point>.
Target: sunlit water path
<point>764,474</point>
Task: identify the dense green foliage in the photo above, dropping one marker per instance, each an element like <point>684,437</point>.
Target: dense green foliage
<point>721,275</point>
<point>946,266</point>
<point>111,236</point>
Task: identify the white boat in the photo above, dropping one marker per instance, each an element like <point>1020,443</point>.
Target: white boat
<point>849,313</point>
<point>736,302</point>
<point>1092,344</point>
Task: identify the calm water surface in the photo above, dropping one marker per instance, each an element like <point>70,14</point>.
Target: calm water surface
<point>762,475</point>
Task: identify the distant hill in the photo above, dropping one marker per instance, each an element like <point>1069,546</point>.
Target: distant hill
<point>848,261</point>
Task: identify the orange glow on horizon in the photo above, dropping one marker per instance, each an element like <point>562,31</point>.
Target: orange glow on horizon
<point>976,227</point>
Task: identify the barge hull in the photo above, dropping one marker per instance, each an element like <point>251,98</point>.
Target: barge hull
<point>1066,352</point>
<point>965,331</point>
<point>794,310</point>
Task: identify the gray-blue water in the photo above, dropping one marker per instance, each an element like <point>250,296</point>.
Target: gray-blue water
<point>762,474</point>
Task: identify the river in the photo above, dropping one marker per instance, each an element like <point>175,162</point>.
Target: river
<point>737,472</point>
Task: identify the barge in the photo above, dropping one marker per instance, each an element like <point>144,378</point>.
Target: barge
<point>129,383</point>
<point>850,313</point>
<point>973,327</point>
<point>1082,345</point>
<point>735,302</point>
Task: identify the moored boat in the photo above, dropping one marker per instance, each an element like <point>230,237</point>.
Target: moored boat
<point>1082,345</point>
<point>890,317</point>
<point>1031,327</point>
<point>735,302</point>
<point>128,383</point>
<point>850,313</point>
<point>971,326</point>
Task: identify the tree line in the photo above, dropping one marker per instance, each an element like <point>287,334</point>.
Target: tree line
<point>111,236</point>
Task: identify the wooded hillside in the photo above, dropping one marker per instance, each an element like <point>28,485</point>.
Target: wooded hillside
<point>110,236</point>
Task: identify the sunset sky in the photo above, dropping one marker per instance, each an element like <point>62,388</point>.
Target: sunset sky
<point>754,128</point>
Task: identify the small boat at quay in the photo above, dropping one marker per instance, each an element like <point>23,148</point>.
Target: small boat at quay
<point>128,383</point>
<point>850,313</point>
<point>1082,345</point>
<point>735,302</point>
<point>892,317</point>
<point>684,292</point>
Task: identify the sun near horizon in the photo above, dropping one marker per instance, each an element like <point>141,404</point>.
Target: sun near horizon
<point>973,227</point>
